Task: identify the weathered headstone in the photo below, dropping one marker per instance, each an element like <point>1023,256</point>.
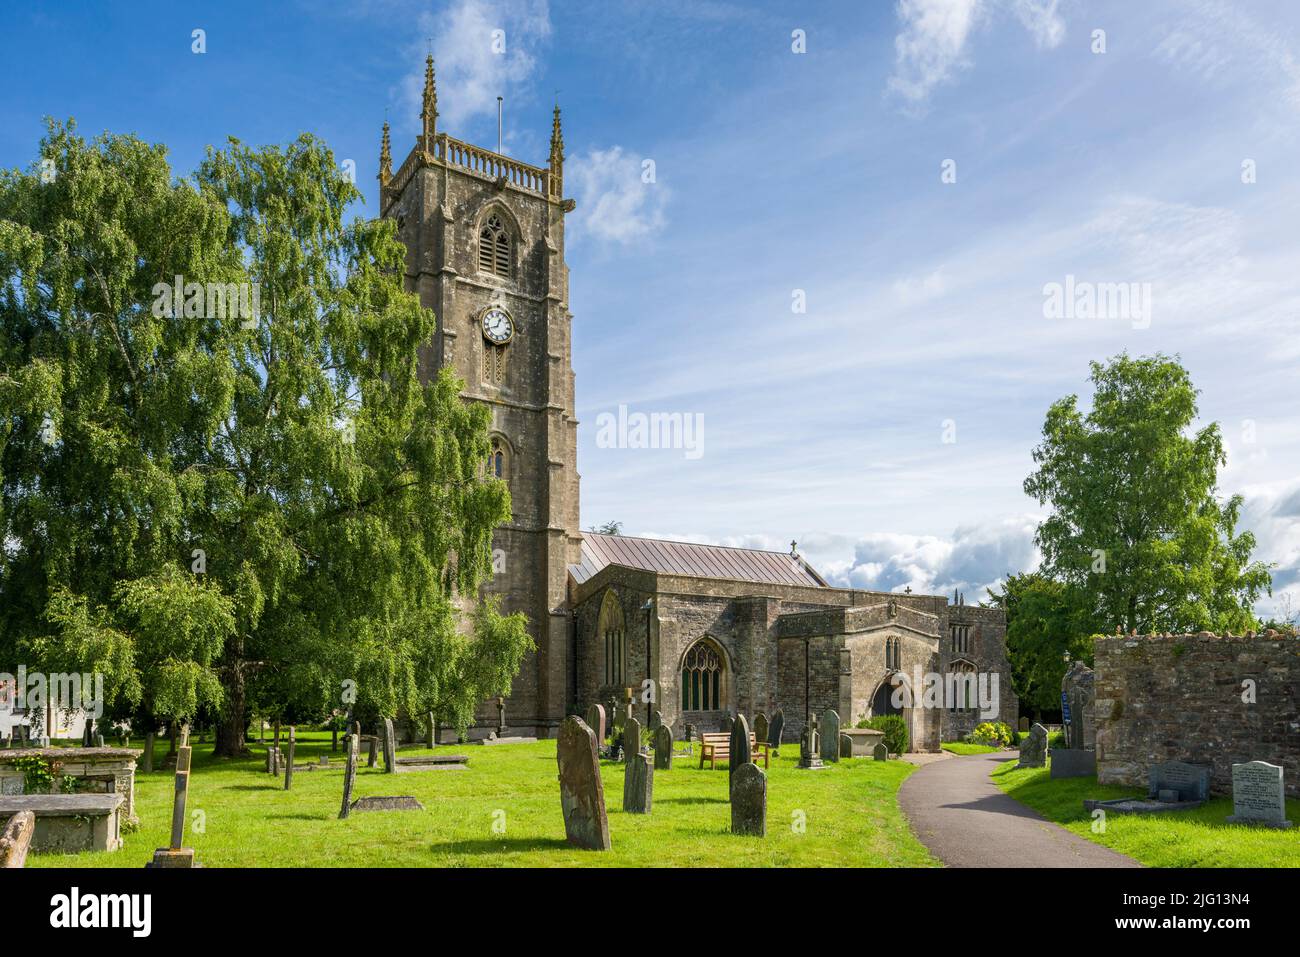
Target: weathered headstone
<point>880,752</point>
<point>656,719</point>
<point>372,755</point>
<point>638,784</point>
<point>596,721</point>
<point>1258,795</point>
<point>631,737</point>
<point>1033,748</point>
<point>690,733</point>
<point>16,839</point>
<point>830,735</point>
<point>288,766</point>
<point>749,801</point>
<point>1024,725</point>
<point>501,716</point>
<point>1073,763</point>
<point>1077,693</point>
<point>739,745</point>
<point>775,728</point>
<point>390,747</point>
<point>663,745</point>
<point>353,745</point>
<point>582,793</point>
<point>809,745</point>
<point>760,728</point>
<point>846,746</point>
<point>1178,781</point>
<point>178,856</point>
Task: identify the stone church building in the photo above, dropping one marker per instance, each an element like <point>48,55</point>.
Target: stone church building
<point>713,630</point>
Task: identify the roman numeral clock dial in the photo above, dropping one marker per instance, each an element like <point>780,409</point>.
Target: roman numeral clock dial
<point>498,327</point>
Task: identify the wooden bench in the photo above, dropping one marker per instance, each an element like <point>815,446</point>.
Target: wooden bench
<point>716,747</point>
<point>68,823</point>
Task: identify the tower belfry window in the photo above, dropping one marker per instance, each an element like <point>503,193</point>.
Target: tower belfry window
<point>494,247</point>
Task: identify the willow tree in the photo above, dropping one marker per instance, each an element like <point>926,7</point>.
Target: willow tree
<point>211,388</point>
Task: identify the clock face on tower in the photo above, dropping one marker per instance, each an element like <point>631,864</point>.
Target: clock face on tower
<point>498,327</point>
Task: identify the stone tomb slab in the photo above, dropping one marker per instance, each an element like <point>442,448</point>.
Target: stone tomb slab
<point>1191,782</point>
<point>1258,795</point>
<point>402,802</point>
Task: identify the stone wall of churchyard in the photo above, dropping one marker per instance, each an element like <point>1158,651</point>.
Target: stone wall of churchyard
<point>1189,698</point>
<point>987,651</point>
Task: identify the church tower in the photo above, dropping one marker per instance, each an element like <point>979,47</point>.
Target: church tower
<point>484,235</point>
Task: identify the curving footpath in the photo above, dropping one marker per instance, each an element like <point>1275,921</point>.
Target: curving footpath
<point>967,821</point>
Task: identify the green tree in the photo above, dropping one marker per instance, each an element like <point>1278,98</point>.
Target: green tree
<point>1136,529</point>
<point>1047,626</point>
<point>288,468</point>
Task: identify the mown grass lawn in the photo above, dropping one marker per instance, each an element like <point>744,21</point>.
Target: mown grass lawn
<point>964,747</point>
<point>849,810</point>
<point>1197,838</point>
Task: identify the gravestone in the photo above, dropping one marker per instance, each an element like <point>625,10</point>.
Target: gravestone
<point>749,801</point>
<point>582,793</point>
<point>1033,748</point>
<point>663,745</point>
<point>846,746</point>
<point>390,747</point>
<point>176,855</point>
<point>631,737</point>
<point>638,784</point>
<point>501,716</point>
<point>399,803</point>
<point>372,755</point>
<point>880,752</point>
<point>288,767</point>
<point>830,735</point>
<point>656,720</point>
<point>353,745</point>
<point>1258,795</point>
<point>690,733</point>
<point>1073,763</point>
<point>739,745</point>
<point>1077,693</point>
<point>324,760</point>
<point>596,721</point>
<point>1024,725</point>
<point>760,728</point>
<point>809,745</point>
<point>774,730</point>
<point>1178,781</point>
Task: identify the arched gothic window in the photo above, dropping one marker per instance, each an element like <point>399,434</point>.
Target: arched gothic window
<point>498,459</point>
<point>612,629</point>
<point>960,638</point>
<point>893,653</point>
<point>703,677</point>
<point>962,689</point>
<point>494,247</point>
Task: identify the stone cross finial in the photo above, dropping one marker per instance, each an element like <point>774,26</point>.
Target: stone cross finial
<point>794,548</point>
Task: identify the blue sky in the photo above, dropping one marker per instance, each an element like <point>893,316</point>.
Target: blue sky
<point>778,171</point>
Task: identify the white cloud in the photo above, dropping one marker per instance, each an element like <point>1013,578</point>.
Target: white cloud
<point>614,201</point>
<point>930,47</point>
<point>482,49</point>
<point>1042,21</point>
<point>912,290</point>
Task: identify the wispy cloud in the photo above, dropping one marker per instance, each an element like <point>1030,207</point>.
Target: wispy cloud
<point>619,197</point>
<point>482,49</point>
<point>931,45</point>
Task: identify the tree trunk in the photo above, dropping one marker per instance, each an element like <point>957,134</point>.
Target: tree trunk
<point>232,722</point>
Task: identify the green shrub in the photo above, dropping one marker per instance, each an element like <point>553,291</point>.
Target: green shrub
<point>895,729</point>
<point>994,734</point>
<point>1056,740</point>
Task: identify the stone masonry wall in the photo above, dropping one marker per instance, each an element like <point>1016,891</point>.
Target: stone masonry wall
<point>1180,698</point>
